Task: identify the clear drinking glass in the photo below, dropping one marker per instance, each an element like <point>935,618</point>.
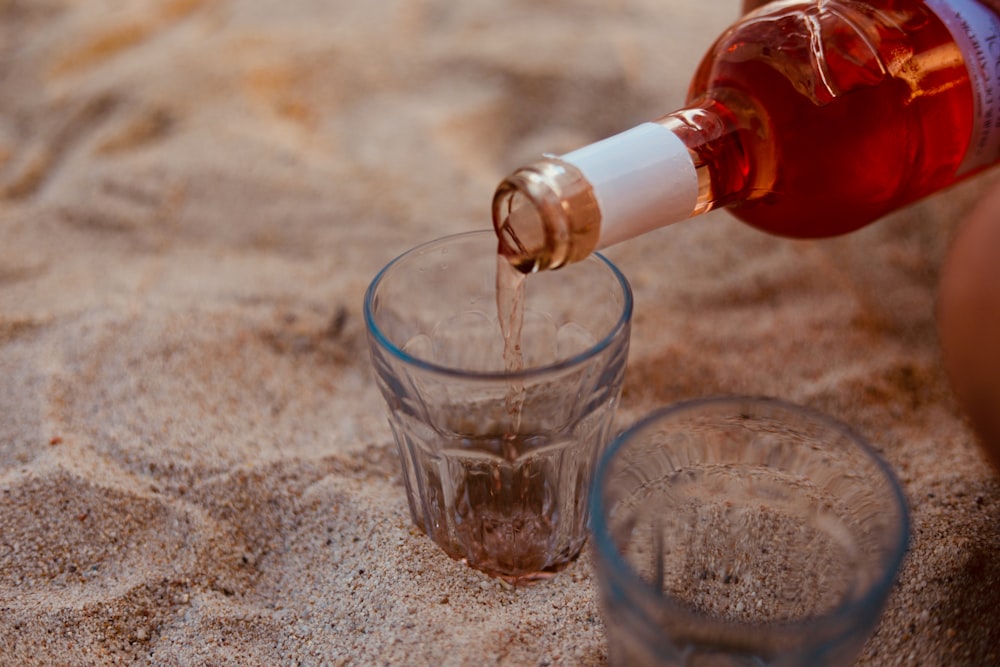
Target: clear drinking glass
<point>497,462</point>
<point>742,531</point>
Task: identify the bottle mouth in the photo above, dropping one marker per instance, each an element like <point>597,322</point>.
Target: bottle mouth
<point>519,226</point>
<point>545,216</point>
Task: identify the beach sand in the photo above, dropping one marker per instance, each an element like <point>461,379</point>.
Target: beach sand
<point>195,466</point>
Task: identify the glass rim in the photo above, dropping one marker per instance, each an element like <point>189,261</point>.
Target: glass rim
<point>623,321</point>
<point>609,553</point>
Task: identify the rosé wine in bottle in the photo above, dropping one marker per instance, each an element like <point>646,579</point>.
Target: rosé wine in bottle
<point>805,119</point>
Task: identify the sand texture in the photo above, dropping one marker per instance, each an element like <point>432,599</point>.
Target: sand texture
<point>195,466</point>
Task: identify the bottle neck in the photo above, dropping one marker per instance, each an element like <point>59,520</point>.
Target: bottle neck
<point>559,210</point>
<point>728,140</point>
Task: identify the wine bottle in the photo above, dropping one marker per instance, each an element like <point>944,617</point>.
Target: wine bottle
<point>749,5</point>
<point>805,119</point>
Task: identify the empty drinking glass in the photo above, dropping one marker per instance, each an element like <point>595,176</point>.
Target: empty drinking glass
<point>743,531</point>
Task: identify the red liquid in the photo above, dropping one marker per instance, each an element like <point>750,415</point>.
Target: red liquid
<point>520,518</point>
<point>825,144</point>
<point>510,313</point>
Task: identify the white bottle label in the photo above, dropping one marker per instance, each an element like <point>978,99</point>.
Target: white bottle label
<point>643,178</point>
<point>976,30</point>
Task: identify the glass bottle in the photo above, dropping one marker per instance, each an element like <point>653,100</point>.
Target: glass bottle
<point>750,5</point>
<point>806,119</point>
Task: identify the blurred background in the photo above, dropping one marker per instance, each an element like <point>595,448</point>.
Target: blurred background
<point>194,195</point>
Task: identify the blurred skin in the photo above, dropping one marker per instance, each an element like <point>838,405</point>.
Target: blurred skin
<point>968,317</point>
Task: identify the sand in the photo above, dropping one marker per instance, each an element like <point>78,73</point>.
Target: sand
<point>194,462</point>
